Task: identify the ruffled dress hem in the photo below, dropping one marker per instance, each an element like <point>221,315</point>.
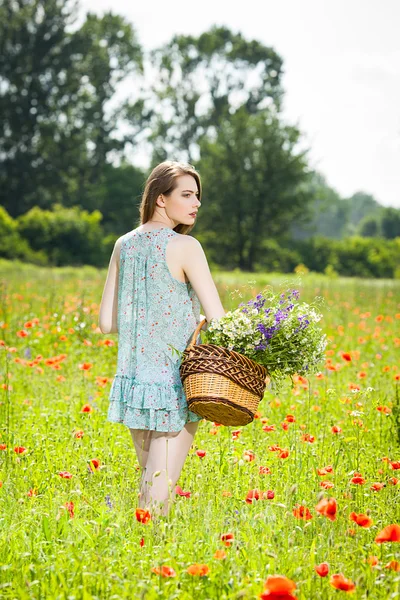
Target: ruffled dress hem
<point>153,406</point>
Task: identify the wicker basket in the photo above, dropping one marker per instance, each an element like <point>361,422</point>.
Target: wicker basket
<point>221,385</point>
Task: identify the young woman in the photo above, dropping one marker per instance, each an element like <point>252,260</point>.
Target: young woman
<point>157,279</point>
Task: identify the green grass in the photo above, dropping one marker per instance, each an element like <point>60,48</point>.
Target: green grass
<point>97,553</point>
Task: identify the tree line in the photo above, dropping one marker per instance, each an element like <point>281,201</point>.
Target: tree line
<point>67,137</point>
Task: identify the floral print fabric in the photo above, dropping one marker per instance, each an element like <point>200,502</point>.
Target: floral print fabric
<point>157,313</point>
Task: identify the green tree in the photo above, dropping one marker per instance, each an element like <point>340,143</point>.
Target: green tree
<point>56,84</point>
<point>256,179</point>
<point>200,81</point>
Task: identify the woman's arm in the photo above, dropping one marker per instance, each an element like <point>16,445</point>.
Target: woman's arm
<point>196,268</point>
<point>109,302</point>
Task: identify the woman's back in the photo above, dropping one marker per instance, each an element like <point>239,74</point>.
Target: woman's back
<point>157,315</point>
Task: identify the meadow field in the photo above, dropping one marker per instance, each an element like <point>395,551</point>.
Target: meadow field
<point>301,503</point>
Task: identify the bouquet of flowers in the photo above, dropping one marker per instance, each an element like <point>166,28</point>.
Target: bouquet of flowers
<point>276,331</point>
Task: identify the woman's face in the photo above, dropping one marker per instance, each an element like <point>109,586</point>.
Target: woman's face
<point>182,205</point>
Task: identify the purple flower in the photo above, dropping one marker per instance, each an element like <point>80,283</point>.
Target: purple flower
<point>108,501</point>
<point>28,353</point>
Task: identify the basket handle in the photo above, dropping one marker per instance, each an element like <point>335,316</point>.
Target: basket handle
<point>196,333</point>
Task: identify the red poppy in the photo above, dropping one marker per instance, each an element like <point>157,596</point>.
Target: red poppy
<point>375,487</point>
<point>70,507</point>
<point>325,470</point>
<point>328,508</point>
<point>268,495</point>
<point>393,564</point>
<point>269,428</point>
<point>201,453</point>
<point>339,582</point>
<point>390,533</point>
<point>327,485</point>
<point>180,492</point>
<point>220,554</point>
<point>302,512</point>
<point>65,474</point>
<point>198,569</point>
<point>142,515</point>
<point>253,495</point>
<point>165,571</point>
<point>20,449</point>
<point>249,456</point>
<point>87,408</point>
<point>307,437</point>
<point>85,366</point>
<point>278,587</point>
<point>395,465</point>
<point>94,464</point>
<point>336,429</point>
<point>357,479</point>
<point>284,453</point>
<point>322,569</point>
<point>346,356</point>
<point>361,519</point>
<point>264,470</point>
<point>227,538</point>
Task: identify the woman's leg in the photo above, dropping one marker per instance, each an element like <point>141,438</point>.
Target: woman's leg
<point>167,455</point>
<point>141,440</point>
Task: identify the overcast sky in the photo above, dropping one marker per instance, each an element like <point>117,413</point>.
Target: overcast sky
<point>341,80</point>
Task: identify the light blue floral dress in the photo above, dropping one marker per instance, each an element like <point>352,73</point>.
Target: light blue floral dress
<point>156,313</point>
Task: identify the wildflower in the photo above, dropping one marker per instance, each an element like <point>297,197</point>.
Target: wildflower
<point>264,470</point>
<point>393,564</point>
<point>20,449</point>
<point>165,571</point>
<point>339,582</point>
<point>357,479</point>
<point>143,515</point>
<point>87,408</point>
<point>70,507</point>
<point>284,453</point>
<point>325,470</point>
<point>249,456</point>
<point>322,569</point>
<point>269,428</point>
<point>94,464</point>
<point>361,519</point>
<point>252,495</point>
<point>328,508</point>
<point>268,495</point>
<point>198,569</point>
<point>336,429</point>
<point>395,465</point>
<point>278,587</point>
<point>307,437</point>
<point>375,487</point>
<point>327,485</point>
<point>220,554</point>
<point>302,512</point>
<point>227,538</point>
<point>201,453</point>
<point>85,366</point>
<point>390,533</point>
<point>65,474</point>
<point>180,492</point>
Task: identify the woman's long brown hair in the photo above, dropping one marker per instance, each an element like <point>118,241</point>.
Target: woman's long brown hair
<point>162,180</point>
